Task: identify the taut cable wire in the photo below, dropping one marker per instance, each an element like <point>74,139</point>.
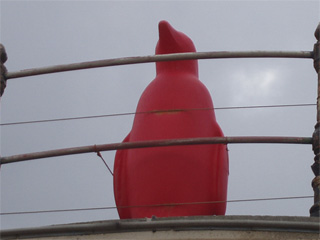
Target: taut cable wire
<point>155,205</point>
<point>149,112</point>
<point>105,163</point>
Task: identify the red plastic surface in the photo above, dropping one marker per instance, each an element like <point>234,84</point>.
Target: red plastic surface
<point>178,174</point>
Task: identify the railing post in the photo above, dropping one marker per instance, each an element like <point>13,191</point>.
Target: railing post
<point>3,70</point>
<point>315,210</point>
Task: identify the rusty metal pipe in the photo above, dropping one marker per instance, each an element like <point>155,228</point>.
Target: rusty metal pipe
<point>158,58</point>
<point>153,143</point>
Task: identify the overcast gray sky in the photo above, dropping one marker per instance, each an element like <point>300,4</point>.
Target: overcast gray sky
<point>44,33</point>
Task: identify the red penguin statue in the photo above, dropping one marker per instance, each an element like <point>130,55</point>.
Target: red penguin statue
<point>175,180</point>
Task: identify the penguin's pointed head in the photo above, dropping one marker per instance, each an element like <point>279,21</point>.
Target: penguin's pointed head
<point>173,41</point>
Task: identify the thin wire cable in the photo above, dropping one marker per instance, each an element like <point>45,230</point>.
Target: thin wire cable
<point>155,205</point>
<point>134,113</point>
<point>105,163</point>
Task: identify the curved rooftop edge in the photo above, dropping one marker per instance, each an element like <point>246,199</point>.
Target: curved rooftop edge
<point>198,227</point>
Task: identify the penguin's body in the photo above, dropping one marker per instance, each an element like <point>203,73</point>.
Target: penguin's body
<point>179,174</point>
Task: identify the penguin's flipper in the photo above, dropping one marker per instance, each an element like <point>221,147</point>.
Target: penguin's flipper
<point>119,180</point>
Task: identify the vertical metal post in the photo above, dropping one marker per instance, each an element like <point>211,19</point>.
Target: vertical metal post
<point>315,210</point>
<point>3,70</point>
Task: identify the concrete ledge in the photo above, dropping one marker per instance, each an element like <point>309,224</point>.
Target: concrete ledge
<point>200,227</point>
